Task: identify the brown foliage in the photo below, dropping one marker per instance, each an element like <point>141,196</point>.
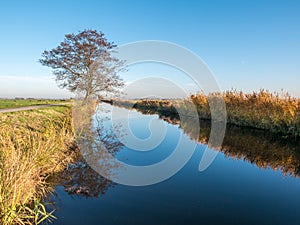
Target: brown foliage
<point>83,62</point>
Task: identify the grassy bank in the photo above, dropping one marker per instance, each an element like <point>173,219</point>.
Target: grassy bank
<point>17,103</point>
<point>33,145</point>
<point>278,113</point>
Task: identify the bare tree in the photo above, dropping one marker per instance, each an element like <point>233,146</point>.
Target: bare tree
<point>84,62</point>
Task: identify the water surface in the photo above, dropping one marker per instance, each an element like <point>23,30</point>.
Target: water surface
<point>253,180</point>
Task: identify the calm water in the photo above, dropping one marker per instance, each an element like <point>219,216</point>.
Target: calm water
<point>253,180</point>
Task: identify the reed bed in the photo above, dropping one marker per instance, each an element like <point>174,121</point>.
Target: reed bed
<point>278,113</point>
<point>33,146</point>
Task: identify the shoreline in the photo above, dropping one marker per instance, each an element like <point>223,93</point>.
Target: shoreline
<point>262,111</point>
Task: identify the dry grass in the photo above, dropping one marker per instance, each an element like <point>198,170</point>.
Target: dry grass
<point>33,145</point>
<point>279,113</point>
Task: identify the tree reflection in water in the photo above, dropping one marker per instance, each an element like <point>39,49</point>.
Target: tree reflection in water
<point>99,143</point>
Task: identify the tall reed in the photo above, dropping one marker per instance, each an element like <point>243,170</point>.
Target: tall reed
<point>276,112</point>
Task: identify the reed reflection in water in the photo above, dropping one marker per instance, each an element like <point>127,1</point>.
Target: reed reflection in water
<point>262,148</point>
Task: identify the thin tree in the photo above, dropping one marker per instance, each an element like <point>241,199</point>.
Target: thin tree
<point>84,63</point>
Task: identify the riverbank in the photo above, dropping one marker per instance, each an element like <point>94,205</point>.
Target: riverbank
<point>33,146</point>
<point>278,113</point>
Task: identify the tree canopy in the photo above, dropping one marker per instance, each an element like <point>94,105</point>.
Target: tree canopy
<point>84,63</point>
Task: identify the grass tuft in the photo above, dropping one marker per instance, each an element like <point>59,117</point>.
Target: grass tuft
<point>33,145</point>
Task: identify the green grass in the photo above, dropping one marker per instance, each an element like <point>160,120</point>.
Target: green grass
<point>34,145</point>
<point>17,103</point>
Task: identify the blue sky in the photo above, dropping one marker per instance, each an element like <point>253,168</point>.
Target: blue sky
<point>247,44</point>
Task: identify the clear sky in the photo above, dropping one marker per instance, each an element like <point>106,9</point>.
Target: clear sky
<point>247,44</point>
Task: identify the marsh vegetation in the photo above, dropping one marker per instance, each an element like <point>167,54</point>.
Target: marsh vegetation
<point>278,113</point>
